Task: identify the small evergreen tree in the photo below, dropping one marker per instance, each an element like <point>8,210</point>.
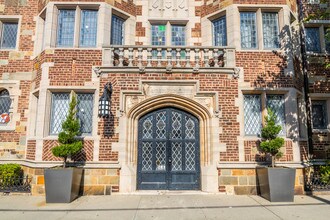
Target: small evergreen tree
<point>271,143</point>
<point>69,145</point>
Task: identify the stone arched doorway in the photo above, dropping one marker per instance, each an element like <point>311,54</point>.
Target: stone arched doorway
<point>168,151</point>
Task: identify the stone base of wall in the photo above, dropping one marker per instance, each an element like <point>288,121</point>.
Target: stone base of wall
<point>244,181</point>
<point>94,182</point>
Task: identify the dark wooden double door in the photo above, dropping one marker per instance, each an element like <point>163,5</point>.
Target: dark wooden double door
<point>168,151</point>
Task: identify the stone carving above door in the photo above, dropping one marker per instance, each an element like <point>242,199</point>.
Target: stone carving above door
<point>168,9</point>
<point>188,89</point>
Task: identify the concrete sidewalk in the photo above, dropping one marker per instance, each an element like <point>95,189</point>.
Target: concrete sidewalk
<point>166,206</point>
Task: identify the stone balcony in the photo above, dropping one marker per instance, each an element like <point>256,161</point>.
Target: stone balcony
<point>163,59</point>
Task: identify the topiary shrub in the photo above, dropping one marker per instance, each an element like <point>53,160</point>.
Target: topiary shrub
<point>69,145</point>
<point>325,173</point>
<point>10,174</point>
<point>271,143</point>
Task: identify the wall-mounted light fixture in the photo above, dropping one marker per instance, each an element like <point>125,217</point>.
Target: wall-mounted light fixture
<point>105,101</point>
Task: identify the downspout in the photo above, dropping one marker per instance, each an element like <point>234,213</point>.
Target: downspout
<point>305,74</point>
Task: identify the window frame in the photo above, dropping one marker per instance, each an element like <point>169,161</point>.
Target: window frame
<point>10,19</point>
<point>123,29</point>
<point>324,112</point>
<point>76,92</point>
<point>263,111</point>
<point>322,39</point>
<point>76,26</point>
<point>213,30</point>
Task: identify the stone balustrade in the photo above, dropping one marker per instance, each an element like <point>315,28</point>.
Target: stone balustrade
<point>163,58</point>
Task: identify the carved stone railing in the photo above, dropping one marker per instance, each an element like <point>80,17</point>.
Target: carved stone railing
<point>167,59</point>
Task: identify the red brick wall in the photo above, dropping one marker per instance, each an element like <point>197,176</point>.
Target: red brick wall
<point>31,150</point>
<point>86,153</point>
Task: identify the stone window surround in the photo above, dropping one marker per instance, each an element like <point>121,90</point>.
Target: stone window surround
<point>46,31</point>
<point>233,24</point>
<point>14,92</point>
<point>321,25</point>
<point>46,132</point>
<point>168,30</point>
<point>322,97</point>
<point>263,95</point>
<point>11,18</point>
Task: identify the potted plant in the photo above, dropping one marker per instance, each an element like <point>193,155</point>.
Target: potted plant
<point>275,183</point>
<point>62,184</point>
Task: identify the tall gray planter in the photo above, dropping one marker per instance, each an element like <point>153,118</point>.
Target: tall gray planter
<point>62,185</point>
<point>276,184</point>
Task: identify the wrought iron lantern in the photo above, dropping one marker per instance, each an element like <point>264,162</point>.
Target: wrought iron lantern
<point>105,101</point>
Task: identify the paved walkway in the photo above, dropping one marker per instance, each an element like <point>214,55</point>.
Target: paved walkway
<point>166,206</point>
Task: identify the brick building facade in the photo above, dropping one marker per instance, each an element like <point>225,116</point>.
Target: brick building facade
<point>191,80</point>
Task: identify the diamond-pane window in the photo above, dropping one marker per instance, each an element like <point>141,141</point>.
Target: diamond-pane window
<point>313,39</point>
<point>65,28</point>
<point>252,114</point>
<point>147,127</point>
<point>270,30</point>
<point>59,111</point>
<point>319,114</point>
<point>161,125</point>
<point>88,28</point>
<point>85,112</point>
<point>8,35</point>
<point>117,30</point>
<point>176,125</point>
<point>220,32</point>
<point>146,156</point>
<point>161,156</point>
<point>276,104</point>
<point>248,30</point>
<point>189,128</point>
<point>176,156</point>
<point>190,156</point>
<point>5,101</point>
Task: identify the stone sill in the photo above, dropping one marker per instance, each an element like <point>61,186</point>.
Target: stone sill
<point>253,165</point>
<point>49,164</point>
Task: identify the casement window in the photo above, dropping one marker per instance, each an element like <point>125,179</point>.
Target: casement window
<point>319,115</point>
<point>253,109</point>
<point>60,108</point>
<point>117,30</point>
<point>220,32</point>
<point>8,34</point>
<point>317,40</point>
<point>270,30</point>
<point>313,39</point>
<point>66,28</point>
<point>248,30</point>
<point>5,101</point>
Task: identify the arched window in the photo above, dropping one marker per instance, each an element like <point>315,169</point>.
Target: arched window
<point>5,101</point>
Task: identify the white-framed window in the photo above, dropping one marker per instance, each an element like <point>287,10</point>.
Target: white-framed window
<point>76,26</point>
<point>255,107</point>
<point>251,30</point>
<point>9,32</point>
<point>60,106</point>
<point>319,114</point>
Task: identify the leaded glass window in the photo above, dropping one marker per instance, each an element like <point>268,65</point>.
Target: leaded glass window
<point>9,35</point>
<point>85,112</point>
<point>117,30</point>
<point>59,111</point>
<point>313,40</point>
<point>248,30</point>
<point>65,28</point>
<point>88,28</point>
<point>252,114</point>
<point>176,156</point>
<point>319,114</point>
<point>158,38</point>
<point>270,30</point>
<point>5,101</point>
<point>276,104</point>
<point>220,32</point>
<point>178,38</point>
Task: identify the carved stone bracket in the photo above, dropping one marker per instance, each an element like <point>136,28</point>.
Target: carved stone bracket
<point>97,71</point>
<point>236,72</point>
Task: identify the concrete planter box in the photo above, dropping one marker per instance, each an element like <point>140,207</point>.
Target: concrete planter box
<point>276,184</point>
<point>62,185</point>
